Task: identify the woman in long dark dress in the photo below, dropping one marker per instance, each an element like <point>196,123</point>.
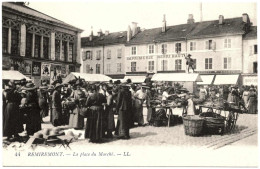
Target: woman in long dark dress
<point>12,124</point>
<point>94,127</point>
<point>110,114</point>
<point>33,123</point>
<point>43,97</point>
<point>252,102</point>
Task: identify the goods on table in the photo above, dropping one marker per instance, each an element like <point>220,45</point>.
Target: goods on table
<point>159,118</point>
<point>193,125</point>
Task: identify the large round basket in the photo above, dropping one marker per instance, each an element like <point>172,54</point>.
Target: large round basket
<point>193,125</point>
<point>214,125</point>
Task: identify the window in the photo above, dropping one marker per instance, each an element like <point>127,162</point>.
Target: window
<point>133,66</point>
<point>108,54</point>
<point>133,50</point>
<point>4,40</point>
<point>227,63</point>
<point>97,68</point>
<point>164,48</point>
<point>14,42</point>
<point>89,55</point>
<point>46,47</point>
<point>28,47</point>
<point>37,46</point>
<point>151,49</point>
<point>227,43</point>
<point>208,63</point>
<point>255,49</point>
<point>151,66</point>
<point>210,45</point>
<point>57,49</point>
<point>194,63</point>
<point>119,53</point>
<point>64,53</point>
<point>164,65</point>
<point>192,46</point>
<point>178,47</point>
<point>87,68</point>
<point>98,56</point>
<point>178,64</point>
<point>119,66</point>
<point>255,67</point>
<point>70,55</point>
<point>108,68</point>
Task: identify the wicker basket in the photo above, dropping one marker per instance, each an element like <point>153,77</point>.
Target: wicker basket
<point>193,125</point>
<point>214,125</point>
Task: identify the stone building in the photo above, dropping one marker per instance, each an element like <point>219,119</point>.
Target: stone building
<point>38,45</point>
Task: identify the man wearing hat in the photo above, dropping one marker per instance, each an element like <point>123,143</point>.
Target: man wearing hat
<point>189,62</point>
<point>43,97</point>
<point>56,105</point>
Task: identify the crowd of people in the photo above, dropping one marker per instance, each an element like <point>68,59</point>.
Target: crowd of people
<point>68,104</point>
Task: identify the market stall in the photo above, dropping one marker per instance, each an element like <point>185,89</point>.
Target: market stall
<point>188,80</point>
<point>206,79</point>
<point>135,79</point>
<point>87,77</point>
<point>226,79</point>
<point>13,75</point>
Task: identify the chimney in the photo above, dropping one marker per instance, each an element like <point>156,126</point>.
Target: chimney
<point>99,32</point>
<point>129,33</point>
<point>106,33</point>
<point>245,18</point>
<point>134,28</point>
<point>91,34</point>
<point>190,19</point>
<point>221,19</point>
<point>164,24</point>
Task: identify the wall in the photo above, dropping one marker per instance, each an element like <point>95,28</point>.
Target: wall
<point>247,57</point>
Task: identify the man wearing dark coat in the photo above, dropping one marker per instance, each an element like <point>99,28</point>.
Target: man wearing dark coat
<point>56,105</point>
<point>123,107</point>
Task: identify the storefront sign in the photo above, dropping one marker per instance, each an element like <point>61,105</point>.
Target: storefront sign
<point>250,80</point>
<point>46,69</point>
<point>152,57</point>
<point>36,68</point>
<point>139,57</point>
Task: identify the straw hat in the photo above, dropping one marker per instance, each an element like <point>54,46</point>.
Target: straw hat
<point>29,86</point>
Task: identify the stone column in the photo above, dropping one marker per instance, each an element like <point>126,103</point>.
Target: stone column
<point>61,57</point>
<point>78,52</point>
<point>52,49</point>
<point>41,54</point>
<point>68,45</point>
<point>23,40</point>
<point>33,44</point>
<point>9,40</point>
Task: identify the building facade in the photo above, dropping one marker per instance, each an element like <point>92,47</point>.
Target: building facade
<point>104,54</point>
<point>218,47</point>
<point>37,45</point>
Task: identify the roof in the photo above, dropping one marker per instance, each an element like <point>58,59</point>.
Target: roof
<point>252,34</point>
<point>177,77</point>
<point>29,11</point>
<point>110,39</point>
<point>213,28</point>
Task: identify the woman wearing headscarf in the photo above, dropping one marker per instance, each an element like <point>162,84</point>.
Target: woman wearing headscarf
<point>33,123</point>
<point>12,123</point>
<point>94,127</point>
<point>76,120</point>
<point>252,102</point>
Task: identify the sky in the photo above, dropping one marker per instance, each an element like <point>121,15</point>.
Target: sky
<point>117,15</point>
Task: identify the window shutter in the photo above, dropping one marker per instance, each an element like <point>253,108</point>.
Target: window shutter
<point>207,45</point>
<point>213,45</point>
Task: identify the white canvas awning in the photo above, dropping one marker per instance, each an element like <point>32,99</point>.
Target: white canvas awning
<point>87,77</point>
<point>134,79</point>
<point>226,79</point>
<point>13,75</point>
<point>177,77</point>
<point>206,79</point>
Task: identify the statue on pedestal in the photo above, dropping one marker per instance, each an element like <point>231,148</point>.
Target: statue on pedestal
<point>189,63</point>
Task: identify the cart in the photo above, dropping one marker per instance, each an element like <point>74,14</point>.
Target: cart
<point>228,111</point>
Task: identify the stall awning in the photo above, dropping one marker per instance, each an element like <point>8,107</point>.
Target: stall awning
<point>226,79</point>
<point>13,75</point>
<point>206,79</point>
<point>177,77</point>
<point>135,79</point>
<point>87,77</point>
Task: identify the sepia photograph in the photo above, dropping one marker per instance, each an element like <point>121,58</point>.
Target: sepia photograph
<point>161,83</point>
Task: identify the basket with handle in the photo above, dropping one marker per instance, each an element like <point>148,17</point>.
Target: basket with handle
<point>193,125</point>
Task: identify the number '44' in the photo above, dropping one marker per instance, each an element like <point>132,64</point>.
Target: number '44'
<point>17,154</point>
